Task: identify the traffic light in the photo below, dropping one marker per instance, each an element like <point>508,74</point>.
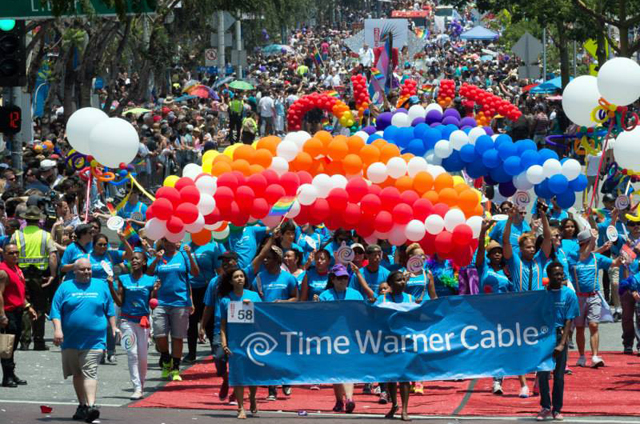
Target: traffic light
<point>13,67</point>
<point>10,119</point>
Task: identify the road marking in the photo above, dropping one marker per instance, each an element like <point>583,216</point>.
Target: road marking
<point>467,396</point>
<point>48,402</point>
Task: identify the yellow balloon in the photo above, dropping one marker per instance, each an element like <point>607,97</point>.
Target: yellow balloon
<point>457,179</point>
<point>209,155</point>
<point>206,166</point>
<point>255,144</point>
<point>170,181</point>
<point>229,150</point>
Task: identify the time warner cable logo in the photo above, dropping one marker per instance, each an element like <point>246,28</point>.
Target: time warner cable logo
<point>260,344</point>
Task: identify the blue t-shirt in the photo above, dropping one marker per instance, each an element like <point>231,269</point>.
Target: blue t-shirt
<point>137,212</point>
<point>565,304</point>
<point>101,263</point>
<point>585,273</point>
<point>331,295</point>
<point>444,273</point>
<point>245,243</point>
<point>562,257</point>
<point>173,273</point>
<point>83,309</point>
<point>211,296</point>
<point>72,253</point>
<point>602,235</point>
<point>417,284</point>
<point>516,231</point>
<point>391,298</point>
<point>571,249</point>
<point>280,286</point>
<point>231,297</point>
<point>521,278</point>
<point>135,302</point>
<point>206,257</point>
<point>299,278</point>
<point>492,281</point>
<point>557,215</point>
<point>373,279</point>
<point>316,282</point>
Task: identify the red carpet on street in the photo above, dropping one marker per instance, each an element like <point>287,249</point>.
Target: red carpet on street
<point>611,390</point>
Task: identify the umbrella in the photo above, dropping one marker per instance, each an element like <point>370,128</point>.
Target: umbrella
<point>185,98</point>
<point>201,91</point>
<point>189,85</point>
<point>136,111</point>
<point>273,49</point>
<point>241,85</point>
<point>222,81</point>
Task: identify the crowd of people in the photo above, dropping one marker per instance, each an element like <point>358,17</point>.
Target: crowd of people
<point>58,263</point>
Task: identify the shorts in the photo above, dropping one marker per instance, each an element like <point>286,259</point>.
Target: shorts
<point>590,310</point>
<point>81,362</point>
<point>172,320</point>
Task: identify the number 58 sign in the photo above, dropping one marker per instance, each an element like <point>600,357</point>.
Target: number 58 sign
<point>240,313</point>
<point>10,119</point>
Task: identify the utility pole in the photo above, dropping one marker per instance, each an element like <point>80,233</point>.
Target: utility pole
<point>239,46</point>
<point>544,55</point>
<point>222,63</point>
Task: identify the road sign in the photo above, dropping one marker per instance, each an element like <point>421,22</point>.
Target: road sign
<point>228,39</point>
<point>210,57</point>
<point>34,9</point>
<point>530,71</point>
<point>527,48</point>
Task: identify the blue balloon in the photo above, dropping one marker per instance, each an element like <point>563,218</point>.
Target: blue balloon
<point>558,184</point>
<point>373,137</point>
<point>468,153</point>
<point>477,169</point>
<point>507,189</point>
<point>512,165</point>
<point>502,138</point>
<point>529,158</point>
<point>391,133</point>
<point>566,199</point>
<point>499,175</point>
<point>446,130</point>
<point>579,184</point>
<point>466,129</point>
<point>490,158</point>
<point>430,137</point>
<point>526,144</point>
<point>546,154</point>
<point>415,147</point>
<point>404,136</point>
<point>506,150</point>
<point>453,163</point>
<point>420,129</point>
<point>542,190</point>
<point>483,143</point>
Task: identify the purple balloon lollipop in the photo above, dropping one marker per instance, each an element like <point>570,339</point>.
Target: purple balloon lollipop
<point>369,130</point>
<point>452,112</point>
<point>451,120</point>
<point>488,130</point>
<point>417,121</point>
<point>468,121</point>
<point>433,116</point>
<point>383,121</point>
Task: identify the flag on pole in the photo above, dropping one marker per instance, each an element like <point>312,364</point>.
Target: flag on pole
<point>282,206</point>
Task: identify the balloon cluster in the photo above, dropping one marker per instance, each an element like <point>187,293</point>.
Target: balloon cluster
<point>446,92</point>
<point>319,101</point>
<point>491,104</point>
<point>409,88</point>
<point>44,146</point>
<point>455,28</point>
<point>360,93</point>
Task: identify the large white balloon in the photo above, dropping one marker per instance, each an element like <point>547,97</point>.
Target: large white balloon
<point>579,98</point>
<point>307,194</point>
<point>626,149</point>
<point>475,133</point>
<point>221,235</point>
<point>196,226</point>
<point>322,183</point>
<point>416,165</point>
<point>397,236</point>
<point>434,224</point>
<point>535,174</point>
<point>207,184</point>
<point>416,111</point>
<point>443,149</point>
<point>415,230</point>
<point>155,229</point>
<point>475,222</point>
<point>521,182</point>
<point>192,170</point>
<point>453,218</point>
<point>279,165</point>
<point>396,167</point>
<point>619,81</point>
<point>114,141</point>
<point>433,106</point>
<point>287,149</point>
<point>80,125</point>
<point>400,120</point>
<point>571,169</point>
<point>339,181</point>
<point>551,167</point>
<point>206,205</point>
<point>175,237</point>
<point>458,139</point>
<point>377,172</point>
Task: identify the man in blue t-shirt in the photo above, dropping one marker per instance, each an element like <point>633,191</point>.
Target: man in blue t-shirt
<point>371,275</point>
<point>245,243</point>
<point>518,226</point>
<point>81,311</point>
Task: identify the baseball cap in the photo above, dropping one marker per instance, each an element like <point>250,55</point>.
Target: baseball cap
<point>339,270</point>
<point>372,248</point>
<point>584,235</point>
<point>357,246</point>
<point>228,255</point>
<point>47,164</point>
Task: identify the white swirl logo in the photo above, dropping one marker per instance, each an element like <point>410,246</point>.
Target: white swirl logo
<point>260,344</point>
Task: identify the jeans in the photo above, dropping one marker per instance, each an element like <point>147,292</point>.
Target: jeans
<point>40,298</point>
<point>14,327</point>
<point>558,382</point>
<point>630,309</point>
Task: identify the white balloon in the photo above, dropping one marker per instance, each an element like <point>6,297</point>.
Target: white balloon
<point>535,174</point>
<point>380,235</point>
<point>475,222</point>
<point>416,165</point>
<point>196,226</point>
<point>571,169</point>
<point>80,125</point>
<point>619,81</point>
<point>396,167</point>
<point>396,235</point>
<point>294,211</point>
<point>400,120</point>
<point>207,184</point>
<point>307,194</point>
<point>287,150</point>
<point>433,106</point>
<point>434,224</point>
<point>436,170</point>
<point>221,235</point>
<point>192,170</point>
<point>453,218</point>
<point>339,181</point>
<point>206,205</point>
<point>300,138</point>
<point>521,182</point>
<point>551,167</point>
<point>280,165</point>
<point>579,98</point>
<point>363,135</point>
<point>372,239</point>
<point>475,133</point>
<point>443,149</point>
<point>304,135</point>
<point>416,111</point>
<point>415,230</point>
<point>155,229</point>
<point>214,226</point>
<point>432,159</point>
<point>377,172</point>
<point>458,139</point>
<point>114,141</point>
<point>322,183</point>
<point>627,148</point>
<point>175,237</point>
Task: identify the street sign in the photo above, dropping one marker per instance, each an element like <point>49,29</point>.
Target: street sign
<point>527,48</point>
<point>210,57</point>
<point>35,9</point>
<point>228,39</point>
<point>530,71</point>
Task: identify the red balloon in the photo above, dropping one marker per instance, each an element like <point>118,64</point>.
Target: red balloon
<point>258,184</point>
<point>441,209</point>
<point>389,196</point>
<point>303,215</point>
<point>224,196</point>
<point>273,193</point>
<point>213,218</point>
<point>260,208</point>
<point>244,197</point>
<point>183,182</point>
<point>228,179</point>
<point>242,180</point>
<point>319,211</point>
<point>422,208</point>
<point>304,177</point>
<point>169,193</point>
<point>271,176</point>
<point>462,235</point>
<point>175,225</point>
<point>338,199</point>
<point>443,242</point>
<point>402,213</point>
<point>462,256</point>
<point>370,204</point>
<point>334,221</point>
<point>383,222</point>
<point>351,214</point>
<point>375,189</point>
<point>409,197</point>
<point>187,212</point>
<point>190,194</point>
<point>149,214</point>
<point>357,188</point>
<point>162,209</point>
<point>365,227</point>
<point>428,244</point>
<point>290,183</point>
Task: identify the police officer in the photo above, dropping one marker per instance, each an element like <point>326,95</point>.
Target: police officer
<point>38,261</point>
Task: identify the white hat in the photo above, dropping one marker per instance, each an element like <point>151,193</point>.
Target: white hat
<point>47,164</point>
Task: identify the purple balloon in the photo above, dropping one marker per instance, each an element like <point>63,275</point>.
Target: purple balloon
<point>468,122</point>
<point>433,116</point>
<point>417,121</point>
<point>451,120</point>
<point>488,130</point>
<point>403,110</point>
<point>435,124</point>
<point>452,112</point>
<point>369,130</point>
<point>383,121</point>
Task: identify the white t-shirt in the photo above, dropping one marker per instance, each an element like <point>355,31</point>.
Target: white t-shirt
<point>593,162</point>
<point>266,106</point>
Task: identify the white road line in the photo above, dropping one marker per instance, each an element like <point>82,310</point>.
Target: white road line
<point>48,402</point>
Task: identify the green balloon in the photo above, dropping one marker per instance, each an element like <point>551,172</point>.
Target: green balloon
<point>7,24</point>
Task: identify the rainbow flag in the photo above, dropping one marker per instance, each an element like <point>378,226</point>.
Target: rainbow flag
<point>421,33</point>
<point>317,57</point>
<point>111,209</point>
<point>129,233</point>
<point>282,206</point>
<point>601,212</point>
<point>376,74</point>
<point>332,93</point>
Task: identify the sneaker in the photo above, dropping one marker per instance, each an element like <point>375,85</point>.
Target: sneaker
<point>81,413</point>
<point>286,390</point>
<point>582,361</point>
<point>628,350</point>
<point>112,359</point>
<point>224,389</point>
<point>166,369</point>
<point>273,394</point>
<point>137,394</point>
<point>384,398</point>
<point>175,375</point>
<point>232,398</point>
<point>568,371</point>
<point>351,405</point>
<point>314,387</point>
<point>571,345</point>
<point>338,407</point>
<point>418,388</point>
<point>558,416</point>
<point>524,392</point>
<point>544,414</point>
<point>189,359</point>
<point>366,390</point>
<point>497,388</point>
<point>377,390</point>
<point>92,414</point>
<point>617,316</point>
<point>597,362</point>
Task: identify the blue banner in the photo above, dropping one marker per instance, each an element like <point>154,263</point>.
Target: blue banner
<point>349,341</point>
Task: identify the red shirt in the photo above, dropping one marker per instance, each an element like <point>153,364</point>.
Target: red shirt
<point>14,289</point>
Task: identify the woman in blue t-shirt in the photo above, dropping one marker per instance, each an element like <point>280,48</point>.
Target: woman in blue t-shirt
<point>419,283</point>
<point>132,296</point>
<point>316,277</point>
<point>492,269</point>
<point>293,264</point>
<point>570,246</point>
<point>444,276</point>
<point>81,247</point>
<point>232,289</point>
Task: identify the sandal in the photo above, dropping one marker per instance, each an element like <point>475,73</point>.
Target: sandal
<point>405,417</point>
<point>241,415</point>
<point>391,412</point>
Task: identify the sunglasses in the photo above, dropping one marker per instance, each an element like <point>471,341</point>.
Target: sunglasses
<point>632,224</point>
<point>11,253</point>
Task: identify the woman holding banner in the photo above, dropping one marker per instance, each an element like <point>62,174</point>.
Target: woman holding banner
<point>315,279</point>
<point>232,289</point>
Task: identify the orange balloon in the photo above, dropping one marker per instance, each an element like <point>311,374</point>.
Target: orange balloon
<point>478,211</point>
<point>324,136</point>
<point>334,167</point>
<point>389,151</point>
<point>313,147</point>
<point>201,238</point>
<point>242,166</point>
<point>355,144</point>
<point>222,227</point>
<point>460,187</point>
<point>389,182</point>
<point>220,168</point>
<point>404,183</point>
<point>317,167</point>
<point>448,196</point>
<point>468,200</point>
<point>255,169</point>
<point>432,195</point>
<point>369,154</point>
<point>302,162</point>
<point>337,149</point>
<point>379,143</point>
<point>262,157</point>
<point>222,158</point>
<point>442,181</point>
<point>422,182</point>
<point>352,164</point>
<point>245,152</point>
<point>407,157</point>
<point>270,143</point>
